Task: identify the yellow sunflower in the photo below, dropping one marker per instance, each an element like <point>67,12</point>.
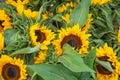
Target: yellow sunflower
<point>1,41</point>
<point>41,35</point>
<point>17,2</point>
<point>4,21</point>
<point>71,4</point>
<point>100,2</point>
<point>107,54</point>
<point>61,8</point>
<point>87,25</point>
<point>45,16</point>
<point>40,57</point>
<point>119,35</point>
<point>12,68</point>
<point>28,13</point>
<point>74,37</point>
<point>66,18</point>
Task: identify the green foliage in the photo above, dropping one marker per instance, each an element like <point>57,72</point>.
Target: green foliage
<point>73,61</point>
<point>42,8</point>
<point>80,13</point>
<point>52,72</point>
<point>14,40</point>
<point>105,64</point>
<point>70,65</point>
<point>27,50</point>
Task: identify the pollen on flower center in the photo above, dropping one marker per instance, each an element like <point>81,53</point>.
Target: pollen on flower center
<point>10,72</point>
<point>101,69</point>
<point>73,41</point>
<point>40,36</point>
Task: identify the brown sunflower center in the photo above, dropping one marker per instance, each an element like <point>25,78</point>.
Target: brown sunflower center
<point>40,36</point>
<point>72,40</point>
<point>10,72</point>
<point>1,21</point>
<point>101,69</point>
<point>15,1</point>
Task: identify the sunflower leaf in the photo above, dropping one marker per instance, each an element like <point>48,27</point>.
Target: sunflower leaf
<point>42,8</point>
<point>80,13</point>
<point>105,64</point>
<point>89,60</point>
<point>52,72</point>
<point>10,36</point>
<point>27,50</point>
<point>72,60</point>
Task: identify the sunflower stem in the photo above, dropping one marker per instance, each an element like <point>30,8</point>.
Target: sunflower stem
<point>32,78</point>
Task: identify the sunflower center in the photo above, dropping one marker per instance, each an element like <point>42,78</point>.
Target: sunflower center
<point>1,23</point>
<point>10,72</point>
<point>72,40</point>
<point>101,69</point>
<point>40,36</point>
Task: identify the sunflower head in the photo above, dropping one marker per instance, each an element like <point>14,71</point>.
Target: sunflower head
<point>28,13</point>
<point>87,25</point>
<point>66,18</point>
<point>107,54</point>
<point>12,68</point>
<point>100,2</point>
<point>17,2</point>
<point>41,35</point>
<point>73,36</point>
<point>4,21</point>
<point>40,57</point>
<point>61,8</point>
<point>1,41</point>
<point>119,35</point>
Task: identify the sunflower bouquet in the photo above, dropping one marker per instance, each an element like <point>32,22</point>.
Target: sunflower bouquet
<point>59,40</point>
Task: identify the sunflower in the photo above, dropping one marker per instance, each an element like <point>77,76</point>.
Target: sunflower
<point>61,8</point>
<point>107,54</point>
<point>40,57</point>
<point>41,35</point>
<point>119,35</point>
<point>87,25</point>
<point>4,21</point>
<point>45,16</point>
<point>74,37</point>
<point>17,2</point>
<point>1,41</point>
<point>28,13</point>
<point>12,68</point>
<point>100,2</point>
<point>66,18</point>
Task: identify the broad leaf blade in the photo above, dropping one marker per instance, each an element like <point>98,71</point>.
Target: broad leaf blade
<point>89,60</point>
<point>80,13</point>
<point>72,60</point>
<point>52,72</point>
<point>105,64</point>
<point>26,50</point>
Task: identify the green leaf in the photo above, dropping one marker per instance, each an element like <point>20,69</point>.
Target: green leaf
<point>105,64</point>
<point>24,19</point>
<point>89,60</point>
<point>57,17</point>
<point>108,17</point>
<point>26,50</point>
<point>52,72</point>
<point>10,36</point>
<point>80,13</point>
<point>42,8</point>
<point>72,60</point>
